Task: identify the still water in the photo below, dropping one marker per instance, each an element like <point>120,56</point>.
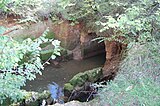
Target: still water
<point>63,73</point>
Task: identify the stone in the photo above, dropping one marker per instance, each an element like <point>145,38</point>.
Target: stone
<point>113,56</point>
<point>79,87</point>
<point>75,38</point>
<point>88,76</point>
<point>69,35</point>
<point>72,103</point>
<point>68,87</point>
<point>35,98</point>
<point>94,75</point>
<point>113,49</point>
<point>77,81</point>
<point>77,103</point>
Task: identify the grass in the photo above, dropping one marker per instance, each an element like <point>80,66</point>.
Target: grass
<point>138,79</point>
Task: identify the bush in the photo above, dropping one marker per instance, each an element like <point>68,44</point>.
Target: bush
<point>138,21</point>
<point>138,80</point>
<point>20,61</point>
<point>27,10</point>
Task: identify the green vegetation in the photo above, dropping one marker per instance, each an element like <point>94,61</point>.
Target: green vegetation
<point>135,23</point>
<point>138,22</point>
<point>20,61</point>
<point>137,82</point>
<point>27,10</point>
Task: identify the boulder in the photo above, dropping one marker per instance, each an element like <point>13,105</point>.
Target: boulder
<point>80,86</point>
<point>88,76</point>
<point>34,99</point>
<point>68,87</point>
<point>76,103</point>
<point>79,79</point>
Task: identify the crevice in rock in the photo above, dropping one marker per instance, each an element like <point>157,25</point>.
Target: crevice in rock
<point>114,52</point>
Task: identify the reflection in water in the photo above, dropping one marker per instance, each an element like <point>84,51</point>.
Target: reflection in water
<point>64,73</point>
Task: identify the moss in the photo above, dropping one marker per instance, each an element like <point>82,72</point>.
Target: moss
<point>45,94</point>
<point>33,98</point>
<point>68,87</point>
<point>94,75</point>
<point>77,81</point>
<point>91,76</point>
<point>84,76</point>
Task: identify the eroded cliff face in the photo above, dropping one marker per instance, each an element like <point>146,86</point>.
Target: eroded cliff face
<point>75,39</point>
<point>113,58</point>
<point>113,51</point>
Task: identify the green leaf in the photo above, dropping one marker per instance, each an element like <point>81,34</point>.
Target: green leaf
<point>2,30</point>
<point>53,56</point>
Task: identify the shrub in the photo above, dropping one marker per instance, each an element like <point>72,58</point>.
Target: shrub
<point>138,21</point>
<point>20,61</point>
<point>137,82</point>
<point>27,10</point>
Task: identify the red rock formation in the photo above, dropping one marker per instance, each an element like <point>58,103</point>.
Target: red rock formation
<point>77,40</point>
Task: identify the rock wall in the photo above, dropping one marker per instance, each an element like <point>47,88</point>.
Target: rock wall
<point>114,52</point>
<point>74,38</point>
<point>77,40</point>
<point>113,58</point>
